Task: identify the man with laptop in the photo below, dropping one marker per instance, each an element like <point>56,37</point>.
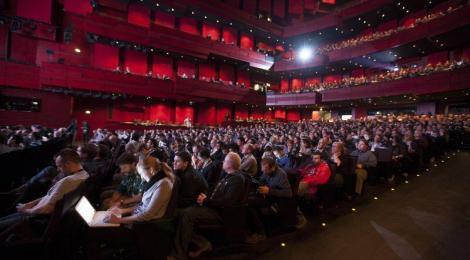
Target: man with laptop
<point>68,164</point>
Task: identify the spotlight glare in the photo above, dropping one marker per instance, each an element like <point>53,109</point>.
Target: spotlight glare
<point>77,50</point>
<point>305,54</point>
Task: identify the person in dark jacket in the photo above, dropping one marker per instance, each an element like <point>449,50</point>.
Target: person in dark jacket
<point>192,183</point>
<point>209,169</point>
<point>229,191</point>
<point>273,187</point>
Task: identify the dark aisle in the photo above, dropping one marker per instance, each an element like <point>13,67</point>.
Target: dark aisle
<point>428,218</point>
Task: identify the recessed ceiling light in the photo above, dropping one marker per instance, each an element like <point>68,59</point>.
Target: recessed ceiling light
<point>77,50</point>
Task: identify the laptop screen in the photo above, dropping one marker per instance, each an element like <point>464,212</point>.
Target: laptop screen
<point>85,209</point>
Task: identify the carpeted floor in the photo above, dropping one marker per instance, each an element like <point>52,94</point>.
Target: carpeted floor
<point>426,218</point>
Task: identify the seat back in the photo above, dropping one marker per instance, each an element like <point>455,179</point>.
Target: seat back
<point>172,204</point>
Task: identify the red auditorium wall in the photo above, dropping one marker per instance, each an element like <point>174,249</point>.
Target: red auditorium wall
<point>3,41</point>
<point>189,25</point>
<point>162,66</point>
<point>223,111</point>
<point>182,111</point>
<point>186,67</point>
<point>249,6</point>
<point>284,85</point>
<point>136,61</point>
<point>227,73</point>
<point>241,112</point>
<point>244,77</point>
<point>210,31</point>
<point>279,8</point>
<point>105,56</point>
<point>139,15</point>
<point>164,19</point>
<point>39,10</point>
<point>296,84</point>
<point>206,114</point>
<point>257,113</point>
<point>246,41</point>
<point>55,109</point>
<point>206,71</point>
<point>293,115</point>
<point>81,7</point>
<point>161,112</point>
<point>229,35</point>
<point>23,49</point>
<point>279,114</point>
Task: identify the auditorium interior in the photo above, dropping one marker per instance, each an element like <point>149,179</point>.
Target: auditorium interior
<point>234,129</point>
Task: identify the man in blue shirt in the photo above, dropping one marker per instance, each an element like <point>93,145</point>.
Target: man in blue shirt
<point>282,159</point>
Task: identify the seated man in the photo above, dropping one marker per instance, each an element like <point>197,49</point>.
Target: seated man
<point>282,159</point>
<point>230,191</point>
<point>68,164</point>
<point>249,165</point>
<point>314,175</point>
<point>210,169</point>
<point>130,189</point>
<point>365,159</point>
<point>192,184</point>
<point>274,185</point>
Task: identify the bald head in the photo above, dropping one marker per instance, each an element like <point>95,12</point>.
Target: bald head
<point>232,163</point>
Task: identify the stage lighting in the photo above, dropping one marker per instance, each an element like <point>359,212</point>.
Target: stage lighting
<point>305,54</point>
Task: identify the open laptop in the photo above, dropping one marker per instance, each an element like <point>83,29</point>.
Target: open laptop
<point>92,217</point>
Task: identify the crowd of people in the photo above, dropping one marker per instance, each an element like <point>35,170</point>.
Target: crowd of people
<point>390,75</point>
<point>256,167</point>
<point>383,34</point>
<point>19,137</point>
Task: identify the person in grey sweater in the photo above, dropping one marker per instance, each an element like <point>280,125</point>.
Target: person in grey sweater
<point>366,159</point>
<point>157,193</point>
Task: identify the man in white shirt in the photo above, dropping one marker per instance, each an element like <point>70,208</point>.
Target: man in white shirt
<point>68,165</point>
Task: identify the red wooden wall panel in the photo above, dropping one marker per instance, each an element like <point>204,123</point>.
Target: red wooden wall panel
<point>265,6</point>
<point>207,114</point>
<point>279,8</point>
<point>105,56</point>
<point>241,112</point>
<point>244,77</point>
<point>234,3</point>
<point>81,7</point>
<point>3,41</point>
<point>39,10</point>
<point>297,84</point>
<point>23,49</point>
<point>295,7</point>
<point>227,73</point>
<point>229,35</point>
<point>246,41</point>
<point>293,115</point>
<point>136,61</point>
<point>284,85</point>
<point>189,25</point>
<point>186,67</point>
<point>182,111</point>
<point>139,15</point>
<point>164,19</point>
<point>162,66</point>
<point>206,71</point>
<point>160,112</point>
<point>249,6</point>
<point>55,109</point>
<point>223,110</point>
<point>212,30</point>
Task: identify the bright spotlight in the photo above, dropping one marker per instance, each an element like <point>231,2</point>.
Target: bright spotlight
<point>305,54</point>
